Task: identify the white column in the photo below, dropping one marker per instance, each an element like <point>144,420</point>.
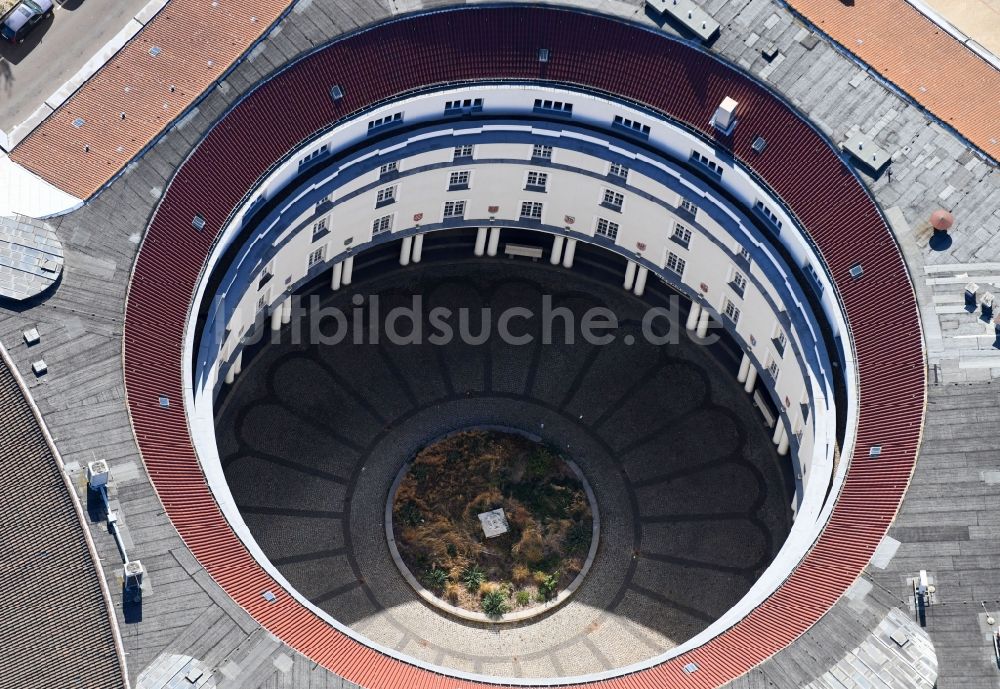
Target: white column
<point>702,330</point>
<point>286,311</point>
<point>348,270</point>
<point>238,364</point>
<point>692,321</point>
<point>779,432</point>
<point>491,248</point>
<point>480,241</point>
<point>744,369</point>
<point>231,375</point>
<point>629,275</point>
<point>557,247</point>
<point>640,280</point>
<point>783,445</point>
<point>405,249</point>
<point>569,253</point>
<point>418,248</point>
<point>338,276</point>
<point>751,379</point>
<point>276,318</point>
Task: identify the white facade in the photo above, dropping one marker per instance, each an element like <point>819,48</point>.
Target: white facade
<point>718,251</point>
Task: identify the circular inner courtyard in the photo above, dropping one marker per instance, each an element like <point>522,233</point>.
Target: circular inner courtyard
<point>693,500</point>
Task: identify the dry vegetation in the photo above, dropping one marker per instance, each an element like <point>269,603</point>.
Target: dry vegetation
<point>439,536</point>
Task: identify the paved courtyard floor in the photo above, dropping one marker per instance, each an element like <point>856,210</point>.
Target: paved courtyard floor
<point>693,502</point>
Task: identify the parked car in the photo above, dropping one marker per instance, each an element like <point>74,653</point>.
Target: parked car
<point>25,16</point>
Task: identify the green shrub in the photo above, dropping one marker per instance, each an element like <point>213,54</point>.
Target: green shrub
<point>436,579</point>
<point>578,538</point>
<point>473,577</point>
<point>410,514</point>
<point>494,604</point>
<point>547,587</point>
<point>523,597</point>
<point>540,463</point>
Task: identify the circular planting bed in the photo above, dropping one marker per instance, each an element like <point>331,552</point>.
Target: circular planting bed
<point>492,525</point>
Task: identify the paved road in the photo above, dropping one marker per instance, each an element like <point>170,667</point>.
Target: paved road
<point>55,51</point>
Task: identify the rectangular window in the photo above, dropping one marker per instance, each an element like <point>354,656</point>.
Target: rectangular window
<point>383,224</point>
<point>314,155</point>
<point>263,299</point>
<point>316,256</point>
<point>768,214</point>
<point>460,107</point>
<point>632,126</point>
<point>541,152</point>
<point>388,169</point>
<point>606,228</point>
<point>675,263</point>
<point>385,196</point>
<point>464,151</point>
<point>773,370</point>
<point>613,200</point>
<point>618,170</point>
<point>681,235</point>
<point>739,283</point>
<point>536,181</point>
<point>320,229</point>
<point>707,163</point>
<point>531,210</point>
<point>745,255</point>
<point>780,341</point>
<point>458,180</point>
<point>325,199</point>
<point>454,209</point>
<point>731,312</point>
<point>553,107</point>
<point>814,279</point>
<point>379,123</point>
<point>689,207</point>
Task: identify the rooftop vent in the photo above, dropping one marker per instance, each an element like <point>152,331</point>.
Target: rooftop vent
<point>40,368</point>
<point>198,223</point>
<point>79,122</point>
<point>154,51</point>
<point>134,572</point>
<point>543,54</point>
<point>857,271</point>
<point>759,144</point>
<point>97,474</point>
<point>336,92</point>
<point>725,115</point>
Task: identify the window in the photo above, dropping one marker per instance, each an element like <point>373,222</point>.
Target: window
<point>618,170</point>
<point>458,180</point>
<point>768,214</point>
<point>454,209</point>
<point>731,312</point>
<point>531,210</point>
<point>541,152</point>
<point>772,369</point>
<point>316,256</point>
<point>745,255</point>
<point>681,235</point>
<point>459,107</point>
<point>606,228</point>
<point>266,275</point>
<point>314,155</point>
<point>394,118</point>
<point>383,224</point>
<point>632,126</point>
<point>675,263</point>
<point>385,196</point>
<point>613,200</point>
<point>325,199</point>
<point>464,151</point>
<point>689,207</point>
<point>320,229</point>
<point>814,279</point>
<point>263,299</point>
<point>536,181</point>
<point>706,162</point>
<point>554,107</point>
<point>780,341</point>
<point>739,283</point>
<point>388,168</point>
